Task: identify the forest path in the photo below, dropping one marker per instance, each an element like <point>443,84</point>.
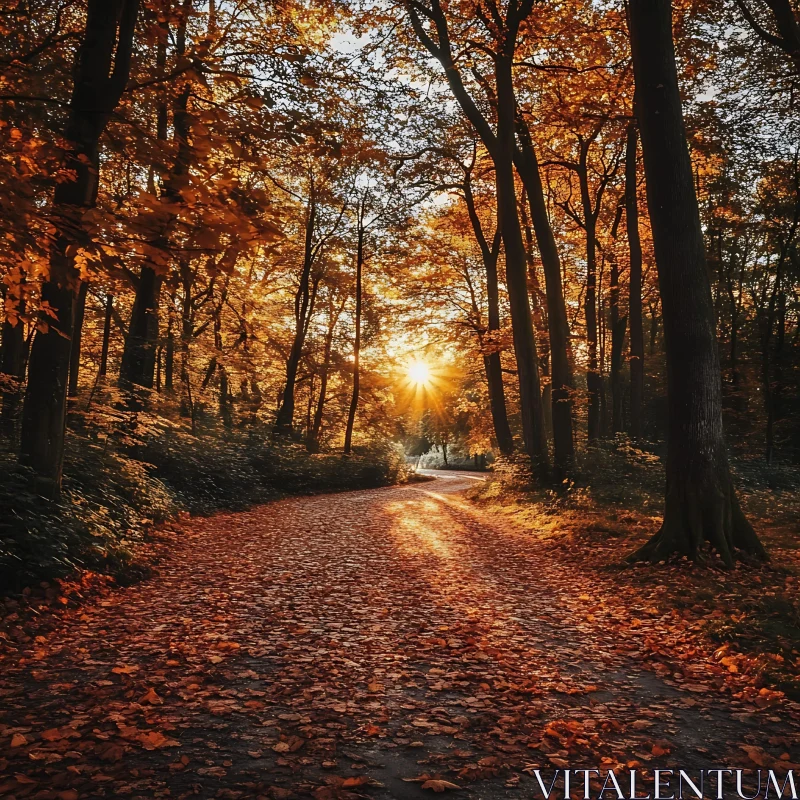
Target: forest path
<point>318,645</point>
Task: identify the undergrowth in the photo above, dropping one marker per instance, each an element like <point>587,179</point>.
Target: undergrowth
<point>126,472</point>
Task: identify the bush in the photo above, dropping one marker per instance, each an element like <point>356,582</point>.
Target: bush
<point>121,480</point>
<point>211,473</point>
<point>105,509</point>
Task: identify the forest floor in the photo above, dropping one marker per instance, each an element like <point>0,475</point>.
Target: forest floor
<point>383,643</point>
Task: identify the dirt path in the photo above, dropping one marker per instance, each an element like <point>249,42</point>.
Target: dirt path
<point>337,645</point>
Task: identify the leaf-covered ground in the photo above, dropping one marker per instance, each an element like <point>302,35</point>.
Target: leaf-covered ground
<point>385,643</point>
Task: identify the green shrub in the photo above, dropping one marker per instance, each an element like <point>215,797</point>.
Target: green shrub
<point>121,479</point>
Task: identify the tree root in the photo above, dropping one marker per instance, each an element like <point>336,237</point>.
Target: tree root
<point>694,515</point>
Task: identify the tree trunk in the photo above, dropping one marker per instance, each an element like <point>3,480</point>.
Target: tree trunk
<point>635,285</point>
<point>516,269</point>
<point>106,335</point>
<point>141,342</point>
<point>139,355</point>
<point>491,361</point>
<point>13,367</point>
<point>558,326</point>
<point>285,418</point>
<point>224,398</point>
<point>188,277</point>
<point>351,414</point>
<point>538,308</point>
<point>316,425</point>
<point>110,26</point>
<point>594,378</point>
<point>701,504</point>
<point>77,337</point>
<point>169,358</point>
<point>619,324</point>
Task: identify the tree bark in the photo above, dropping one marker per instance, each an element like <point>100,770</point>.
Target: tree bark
<point>285,419</point>
<point>516,268</point>
<point>316,425</point>
<point>618,324</point>
<point>77,338</point>
<point>107,41</point>
<point>141,342</point>
<point>491,361</point>
<point>13,367</point>
<point>558,325</point>
<point>635,285</point>
<point>594,378</point>
<point>351,413</point>
<point>139,354</point>
<point>169,358</point>
<point>106,335</point>
<point>701,504</point>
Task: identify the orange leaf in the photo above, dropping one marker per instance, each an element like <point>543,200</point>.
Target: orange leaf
<point>439,786</point>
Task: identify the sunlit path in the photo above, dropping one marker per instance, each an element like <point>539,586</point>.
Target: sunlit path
<point>348,643</point>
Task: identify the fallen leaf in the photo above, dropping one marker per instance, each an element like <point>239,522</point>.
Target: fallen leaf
<point>439,786</point>
<point>151,697</point>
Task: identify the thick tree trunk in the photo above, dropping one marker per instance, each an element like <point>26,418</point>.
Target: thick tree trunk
<point>558,326</point>
<point>635,286</point>
<point>701,504</point>
<point>351,413</point>
<point>516,269</point>
<point>77,337</point>
<point>108,40</point>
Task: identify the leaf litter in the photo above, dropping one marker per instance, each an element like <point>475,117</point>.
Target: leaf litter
<point>390,643</point>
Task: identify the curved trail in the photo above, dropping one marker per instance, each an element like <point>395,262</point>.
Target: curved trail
<point>333,646</point>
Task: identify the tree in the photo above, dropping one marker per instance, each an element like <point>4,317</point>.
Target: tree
<point>361,225</point>
<point>701,503</point>
<point>503,30</point>
<point>779,15</point>
<point>101,73</point>
<point>635,283</point>
<point>527,165</point>
<point>316,238</point>
<point>139,355</point>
